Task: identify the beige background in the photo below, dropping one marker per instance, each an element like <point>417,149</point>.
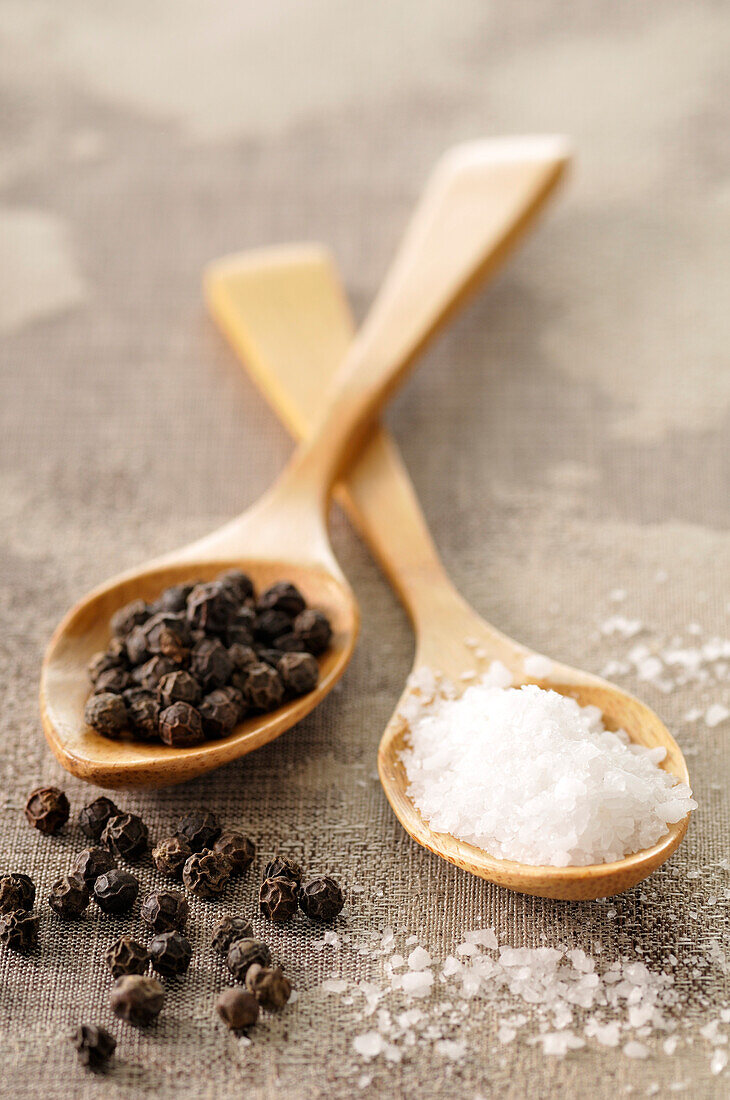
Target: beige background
<point>140,140</point>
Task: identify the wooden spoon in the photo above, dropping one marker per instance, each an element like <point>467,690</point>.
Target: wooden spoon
<point>292,354</point>
<point>478,199</point>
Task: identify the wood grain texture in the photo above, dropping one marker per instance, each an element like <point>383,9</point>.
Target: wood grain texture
<point>377,492</point>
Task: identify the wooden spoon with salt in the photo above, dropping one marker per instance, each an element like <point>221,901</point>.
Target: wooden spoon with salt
<point>292,351</point>
<point>477,201</point>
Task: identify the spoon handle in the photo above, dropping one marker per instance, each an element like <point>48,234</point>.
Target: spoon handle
<point>454,238</point>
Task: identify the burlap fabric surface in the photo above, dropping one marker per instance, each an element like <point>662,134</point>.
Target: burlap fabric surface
<point>568,437</point>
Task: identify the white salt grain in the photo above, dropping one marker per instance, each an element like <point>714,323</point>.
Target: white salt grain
<point>538,667</point>
<point>369,1044</point>
<point>716,714</point>
<point>529,775</point>
<point>419,959</point>
<point>718,1061</point>
<point>636,1050</point>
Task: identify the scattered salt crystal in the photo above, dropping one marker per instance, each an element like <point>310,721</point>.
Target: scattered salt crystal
<point>411,940</point>
<point>451,966</point>
<point>364,1081</point>
<point>617,595</point>
<point>661,576</point>
<point>718,1061</point>
<point>715,714</point>
<point>506,1034</point>
<point>451,1049</point>
<point>419,959</point>
<point>396,961</point>
<point>530,775</point>
<point>619,624</point>
<point>670,1045</point>
<point>558,1043</point>
<point>537,667</point>
<point>497,676</point>
<point>334,985</point>
<point>369,1044</point>
<point>487,937</point>
<point>632,1049</point>
<point>467,949</point>
<point>693,714</point>
<point>712,1034</point>
<point>416,983</point>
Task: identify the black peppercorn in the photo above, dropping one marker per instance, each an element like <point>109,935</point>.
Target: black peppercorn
<point>237,1009</point>
<point>210,663</point>
<point>200,828</point>
<point>313,630</point>
<point>94,1045</point>
<point>321,898</point>
<point>260,686</point>
<point>299,672</point>
<point>240,630</point>
<point>149,674</point>
<point>244,953</point>
<point>47,809</point>
<point>125,835</point>
<point>238,584</point>
<point>176,597</point>
<point>181,726</point>
<point>17,891</point>
<point>136,642</point>
<point>115,891</point>
<point>93,818</point>
<point>270,986</point>
<point>219,713</point>
<point>283,867</point>
<point>126,618</point>
<point>126,956</point>
<point>168,634</point>
<point>170,856</point>
<point>165,910</point>
<point>92,862</point>
<point>107,714</point>
<point>179,687</point>
<point>170,953</point>
<point>137,999</point>
<point>278,899</point>
<point>104,661</point>
<point>69,896</point>
<point>270,656</point>
<point>228,930</point>
<point>238,849</point>
<point>211,606</point>
<point>270,625</point>
<point>242,656</point>
<point>282,596</point>
<point>143,708</point>
<point>19,930</point>
<point>114,680</point>
<point>206,874</point>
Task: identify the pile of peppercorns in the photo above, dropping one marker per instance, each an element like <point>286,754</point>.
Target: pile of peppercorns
<point>203,857</point>
<point>194,663</point>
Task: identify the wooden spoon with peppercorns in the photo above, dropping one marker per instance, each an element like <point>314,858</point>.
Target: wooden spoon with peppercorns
<point>291,361</point>
<point>479,198</point>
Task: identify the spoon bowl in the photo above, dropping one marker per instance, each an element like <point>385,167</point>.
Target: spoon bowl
<point>479,198</point>
<point>291,360</point>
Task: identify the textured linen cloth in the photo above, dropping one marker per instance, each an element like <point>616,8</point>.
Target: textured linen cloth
<point>568,438</point>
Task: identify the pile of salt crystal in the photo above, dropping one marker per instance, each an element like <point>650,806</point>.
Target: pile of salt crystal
<point>529,775</point>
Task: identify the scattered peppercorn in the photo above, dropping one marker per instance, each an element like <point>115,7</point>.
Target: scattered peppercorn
<point>271,624</point>
<point>238,849</point>
<point>126,618</point>
<point>181,726</point>
<point>237,1009</point>
<point>278,899</point>
<point>19,930</point>
<point>170,953</point>
<point>93,818</point>
<point>205,874</point>
<point>92,862</point>
<point>116,891</point>
<point>94,1045</point>
<point>47,809</point>
<point>314,631</point>
<point>237,582</point>
<point>270,986</point>
<point>164,910</point>
<point>241,628</point>
<point>114,680</point>
<point>176,597</point>
<point>107,714</point>
<point>136,999</point>
<point>126,835</point>
<point>102,662</point>
<point>244,953</point>
<point>283,867</point>
<point>299,672</point>
<point>282,596</point>
<point>69,896</point>
<point>149,674</point>
<point>17,891</point>
<point>126,956</point>
<point>170,856</point>
<point>210,663</point>
<point>228,930</point>
<point>321,898</point>
<point>201,828</point>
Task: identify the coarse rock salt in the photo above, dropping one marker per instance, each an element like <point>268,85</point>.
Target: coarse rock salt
<point>537,667</point>
<point>419,959</point>
<point>530,775</point>
<point>716,714</point>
